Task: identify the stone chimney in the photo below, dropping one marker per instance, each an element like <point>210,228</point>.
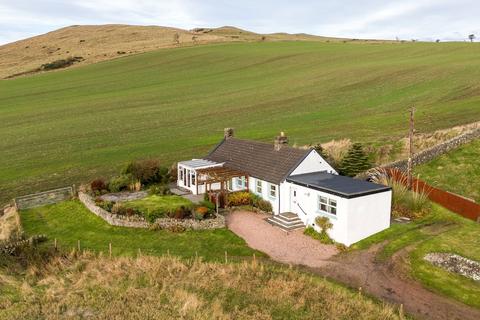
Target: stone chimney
<point>228,133</point>
<point>280,141</point>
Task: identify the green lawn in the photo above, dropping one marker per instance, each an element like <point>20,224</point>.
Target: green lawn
<point>442,231</point>
<point>153,205</point>
<point>457,171</point>
<point>72,125</point>
<point>70,221</point>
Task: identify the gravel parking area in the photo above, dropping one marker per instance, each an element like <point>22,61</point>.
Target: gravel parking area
<point>293,247</point>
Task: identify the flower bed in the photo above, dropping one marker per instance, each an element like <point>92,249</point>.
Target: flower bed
<point>194,221</point>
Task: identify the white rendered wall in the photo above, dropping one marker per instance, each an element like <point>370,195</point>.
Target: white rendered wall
<point>356,218</point>
<point>313,163</point>
<point>265,194</point>
<point>368,215</point>
<point>307,199</point>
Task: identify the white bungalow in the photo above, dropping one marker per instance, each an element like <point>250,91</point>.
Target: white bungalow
<point>298,183</point>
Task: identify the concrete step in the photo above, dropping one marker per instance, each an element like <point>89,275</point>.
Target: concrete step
<point>286,222</point>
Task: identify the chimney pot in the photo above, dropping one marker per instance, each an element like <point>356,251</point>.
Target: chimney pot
<point>228,133</point>
<point>280,141</point>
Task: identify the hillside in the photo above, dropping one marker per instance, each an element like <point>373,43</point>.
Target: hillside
<point>70,126</point>
<point>105,42</point>
<point>89,287</point>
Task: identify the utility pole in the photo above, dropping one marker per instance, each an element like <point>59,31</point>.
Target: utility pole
<point>410,148</point>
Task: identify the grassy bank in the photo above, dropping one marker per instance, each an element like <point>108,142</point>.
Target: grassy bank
<point>441,231</point>
<point>169,288</point>
<point>69,222</point>
<point>72,125</point>
<point>457,171</point>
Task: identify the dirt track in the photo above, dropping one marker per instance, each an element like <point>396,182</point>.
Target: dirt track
<point>387,281</point>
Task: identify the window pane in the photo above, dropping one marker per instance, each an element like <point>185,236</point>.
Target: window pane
<point>333,210</point>
<point>323,200</point>
<point>273,191</point>
<point>323,207</point>
<point>259,186</point>
<point>333,203</point>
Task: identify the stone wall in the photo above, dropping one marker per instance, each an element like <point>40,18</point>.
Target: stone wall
<point>44,198</point>
<point>215,223</point>
<point>139,222</point>
<point>110,218</point>
<point>433,152</point>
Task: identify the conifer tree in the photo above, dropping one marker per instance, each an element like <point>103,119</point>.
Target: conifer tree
<point>355,161</point>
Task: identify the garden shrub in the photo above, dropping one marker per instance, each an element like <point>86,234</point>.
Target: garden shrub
<point>263,205</point>
<point>119,209</point>
<point>181,212</point>
<point>405,202</point>
<point>173,172</point>
<point>201,213</point>
<point>147,171</point>
<point>177,228</point>
<point>241,198</point>
<point>159,190</point>
<point>209,205</point>
<point>119,183</point>
<point>320,236</point>
<point>105,205</point>
<point>98,185</point>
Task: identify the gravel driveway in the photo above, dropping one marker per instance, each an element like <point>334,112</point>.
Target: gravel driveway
<point>293,247</point>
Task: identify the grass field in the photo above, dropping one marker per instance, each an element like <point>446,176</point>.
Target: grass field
<point>69,126</point>
<point>88,287</point>
<point>441,231</point>
<point>70,221</point>
<point>457,171</point>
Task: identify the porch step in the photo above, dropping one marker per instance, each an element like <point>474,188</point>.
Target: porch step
<point>286,221</point>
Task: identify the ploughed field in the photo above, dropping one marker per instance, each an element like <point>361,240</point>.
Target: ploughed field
<point>72,125</point>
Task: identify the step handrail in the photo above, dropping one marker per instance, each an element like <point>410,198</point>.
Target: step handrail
<point>302,209</point>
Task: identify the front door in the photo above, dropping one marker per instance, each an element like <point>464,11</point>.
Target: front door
<point>293,199</point>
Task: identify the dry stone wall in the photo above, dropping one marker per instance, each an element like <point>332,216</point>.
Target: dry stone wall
<point>139,222</point>
<point>431,153</point>
<point>110,218</point>
<point>44,198</point>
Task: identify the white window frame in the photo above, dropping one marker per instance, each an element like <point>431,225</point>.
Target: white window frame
<point>327,205</point>
<point>230,185</point>
<point>258,186</point>
<point>241,183</point>
<point>273,188</point>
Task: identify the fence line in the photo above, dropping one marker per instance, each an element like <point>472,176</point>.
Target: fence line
<point>458,204</point>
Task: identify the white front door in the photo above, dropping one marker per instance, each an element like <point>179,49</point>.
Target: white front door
<point>293,199</point>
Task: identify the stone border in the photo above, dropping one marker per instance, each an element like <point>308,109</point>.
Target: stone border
<point>110,218</point>
<point>435,151</point>
<point>135,222</point>
<point>455,263</point>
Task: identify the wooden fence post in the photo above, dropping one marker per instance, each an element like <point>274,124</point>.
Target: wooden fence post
<point>78,244</point>
<point>400,312</point>
<point>226,257</point>
<point>110,250</point>
<point>55,244</point>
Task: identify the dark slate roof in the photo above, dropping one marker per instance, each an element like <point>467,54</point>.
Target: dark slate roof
<point>258,159</point>
<point>341,186</point>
